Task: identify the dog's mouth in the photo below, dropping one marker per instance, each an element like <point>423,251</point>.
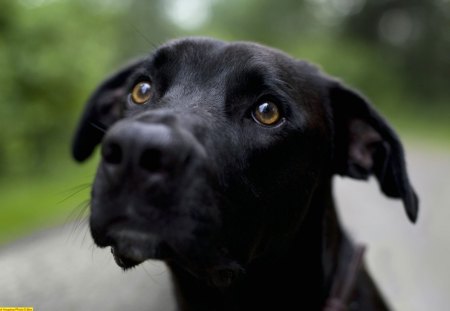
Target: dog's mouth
<point>130,247</point>
<point>132,243</point>
<point>124,261</point>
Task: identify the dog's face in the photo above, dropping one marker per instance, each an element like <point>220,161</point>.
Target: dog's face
<point>212,152</point>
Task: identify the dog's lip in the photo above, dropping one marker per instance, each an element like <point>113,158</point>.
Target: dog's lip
<point>131,247</point>
<point>124,261</point>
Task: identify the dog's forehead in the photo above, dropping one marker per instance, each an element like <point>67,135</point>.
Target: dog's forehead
<point>211,58</point>
<point>199,48</point>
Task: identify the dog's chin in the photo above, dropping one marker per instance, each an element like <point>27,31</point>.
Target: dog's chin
<point>124,261</point>
<point>130,248</point>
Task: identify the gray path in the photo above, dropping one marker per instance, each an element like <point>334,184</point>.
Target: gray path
<point>60,270</point>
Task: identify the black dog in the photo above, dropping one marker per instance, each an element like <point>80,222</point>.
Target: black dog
<point>218,158</point>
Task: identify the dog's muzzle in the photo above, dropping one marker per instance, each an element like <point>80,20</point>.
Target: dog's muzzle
<point>152,195</point>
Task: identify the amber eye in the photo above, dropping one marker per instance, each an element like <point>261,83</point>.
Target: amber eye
<point>141,93</point>
<point>267,113</point>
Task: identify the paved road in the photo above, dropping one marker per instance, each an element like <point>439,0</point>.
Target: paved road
<point>57,270</point>
<point>61,270</point>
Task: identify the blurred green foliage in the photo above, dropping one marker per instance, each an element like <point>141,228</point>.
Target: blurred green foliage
<point>54,52</point>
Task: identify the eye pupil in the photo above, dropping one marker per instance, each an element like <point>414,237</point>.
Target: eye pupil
<point>141,93</point>
<point>267,113</point>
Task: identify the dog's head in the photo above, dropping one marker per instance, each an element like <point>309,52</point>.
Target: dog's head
<point>211,151</point>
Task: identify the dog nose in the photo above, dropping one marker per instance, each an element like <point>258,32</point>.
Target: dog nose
<point>118,153</point>
<point>143,147</point>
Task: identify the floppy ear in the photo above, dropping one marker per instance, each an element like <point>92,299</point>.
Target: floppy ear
<point>366,145</point>
<point>103,108</point>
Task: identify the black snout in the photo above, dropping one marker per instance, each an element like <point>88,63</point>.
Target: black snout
<point>141,148</point>
<point>152,156</point>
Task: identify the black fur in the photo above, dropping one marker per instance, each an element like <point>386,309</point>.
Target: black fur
<point>241,212</point>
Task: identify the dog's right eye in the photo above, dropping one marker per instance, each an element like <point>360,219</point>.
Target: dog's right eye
<point>141,93</point>
<point>267,113</point>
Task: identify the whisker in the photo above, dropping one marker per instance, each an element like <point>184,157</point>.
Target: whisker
<point>99,127</point>
<point>93,248</point>
<point>76,190</point>
<point>135,28</point>
<point>77,215</point>
<point>85,232</point>
<point>149,274</point>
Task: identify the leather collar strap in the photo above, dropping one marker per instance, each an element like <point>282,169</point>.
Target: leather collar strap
<point>345,281</point>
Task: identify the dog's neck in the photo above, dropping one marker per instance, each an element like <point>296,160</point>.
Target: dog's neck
<point>297,276</point>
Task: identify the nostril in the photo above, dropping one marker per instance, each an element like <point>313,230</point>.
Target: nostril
<point>151,160</point>
<point>112,153</point>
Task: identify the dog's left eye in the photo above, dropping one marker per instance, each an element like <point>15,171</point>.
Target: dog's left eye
<point>267,113</point>
<point>141,93</point>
